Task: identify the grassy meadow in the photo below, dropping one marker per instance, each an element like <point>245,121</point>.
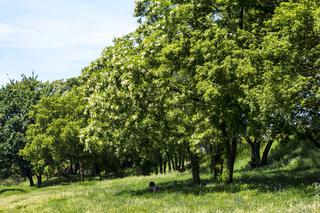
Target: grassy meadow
<point>289,184</point>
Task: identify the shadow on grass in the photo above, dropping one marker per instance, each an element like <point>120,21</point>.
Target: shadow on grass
<point>12,190</point>
<point>273,181</point>
<point>281,179</point>
<point>71,179</point>
<point>62,181</point>
<point>57,181</point>
<point>185,187</point>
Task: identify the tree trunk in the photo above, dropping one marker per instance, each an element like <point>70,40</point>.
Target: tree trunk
<point>165,167</point>
<point>97,170</point>
<point>241,17</point>
<point>255,154</point>
<point>156,170</point>
<point>160,164</point>
<point>81,171</point>
<point>39,180</point>
<point>176,162</point>
<point>212,162</point>
<point>195,168</point>
<point>216,153</point>
<point>173,165</point>
<point>71,168</point>
<point>182,165</point>
<point>169,164</point>
<point>28,174</point>
<point>76,168</point>
<point>265,154</point>
<point>231,150</point>
<point>255,151</point>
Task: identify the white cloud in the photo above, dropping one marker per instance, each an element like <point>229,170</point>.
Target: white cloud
<point>58,38</point>
<point>56,33</point>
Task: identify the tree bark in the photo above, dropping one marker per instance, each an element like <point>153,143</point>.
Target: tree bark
<point>156,170</point>
<point>216,161</point>
<point>231,150</point>
<point>39,180</point>
<point>28,173</point>
<point>71,168</point>
<point>169,164</point>
<point>255,152</point>
<point>176,163</point>
<point>173,165</point>
<point>76,168</point>
<point>97,170</point>
<point>81,171</point>
<point>264,160</point>
<point>241,17</point>
<point>195,168</point>
<point>182,165</point>
<point>160,164</point>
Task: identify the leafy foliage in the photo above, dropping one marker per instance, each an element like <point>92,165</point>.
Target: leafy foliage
<point>193,81</point>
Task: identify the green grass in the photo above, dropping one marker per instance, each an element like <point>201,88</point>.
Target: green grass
<point>290,185</point>
<point>177,195</point>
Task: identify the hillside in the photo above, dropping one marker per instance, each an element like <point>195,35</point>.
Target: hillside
<point>287,185</point>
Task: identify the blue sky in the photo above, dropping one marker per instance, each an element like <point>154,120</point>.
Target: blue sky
<point>57,38</point>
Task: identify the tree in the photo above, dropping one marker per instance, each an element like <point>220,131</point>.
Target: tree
<point>53,140</point>
<point>16,99</point>
<point>291,53</point>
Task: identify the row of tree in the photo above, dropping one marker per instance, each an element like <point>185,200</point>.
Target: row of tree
<point>196,78</point>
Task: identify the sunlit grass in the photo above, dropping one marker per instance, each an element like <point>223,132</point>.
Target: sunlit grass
<point>285,186</point>
<point>176,194</point>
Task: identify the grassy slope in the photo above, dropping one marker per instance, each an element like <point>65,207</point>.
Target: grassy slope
<point>287,185</point>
